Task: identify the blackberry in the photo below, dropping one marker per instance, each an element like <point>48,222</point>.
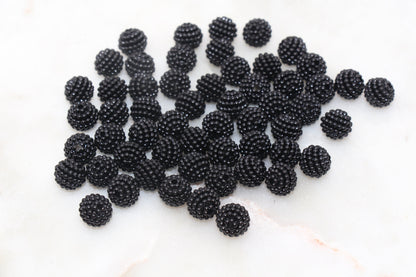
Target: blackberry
<point>273,104</point>
<point>321,87</point>
<point>172,123</point>
<point>285,151</point>
<point>311,64</point>
<point>194,139</point>
<point>234,70</point>
<point>203,203</point>
<point>101,170</point>
<point>232,102</point>
<point>291,50</point>
<point>217,124</point>
<point>132,41</point>
<point>114,111</point>
<point>211,87</point>
<point>267,65</point>
<point>257,32</point>
<point>191,104</point>
<point>128,155</point>
<point>379,92</point>
<point>181,57</point>
<point>82,116</point>
<point>146,107</point>
<point>69,174</point>
<point>306,108</point>
<point>221,180</point>
<point>174,82</point>
<point>193,167</point>
<point>80,148</point>
<point>143,86</point>
<point>123,190</point>
<point>167,152</point>
<point>251,119</point>
<point>78,89</point>
<point>95,210</point>
<point>336,124</point>
<point>149,174</point>
<point>349,84</point>
<point>286,126</point>
<point>232,220</point>
<point>250,171</point>
<point>222,28</point>
<point>315,161</point>
<point>281,179</point>
<point>108,137</point>
<point>175,191</point>
<point>253,87</point>
<point>255,143</point>
<point>223,151</point>
<point>218,51</point>
<point>108,62</point>
<point>112,87</point>
<point>144,133</point>
<point>140,64</point>
<point>289,83</point>
<point>188,34</point>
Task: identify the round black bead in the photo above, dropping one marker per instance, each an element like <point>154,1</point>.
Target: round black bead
<point>167,152</point>
<point>379,92</point>
<point>101,170</point>
<point>218,124</point>
<point>211,87</point>
<point>349,84</point>
<point>128,155</point>
<point>311,64</point>
<point>223,151</point>
<point>203,203</point>
<point>234,70</point>
<point>172,124</point>
<point>143,85</point>
<point>194,139</point>
<point>78,89</point>
<point>253,87</point>
<point>112,87</point>
<point>285,151</point>
<point>175,191</point>
<point>291,50</point>
<point>191,104</point>
<point>80,148</point>
<point>146,107</point>
<point>251,119</point>
<point>232,220</point>
<point>114,111</point>
<point>82,116</point>
<point>108,137</point>
<point>267,65</point>
<point>232,102</point>
<point>321,87</point>
<point>255,143</point>
<point>286,126</point>
<point>336,124</point>
<point>222,28</point>
<point>174,82</point>
<point>221,179</point>
<point>289,83</point>
<point>109,62</point>
<point>315,161</point>
<point>132,41</point>
<point>281,179</point>
<point>273,103</point>
<point>140,64</point>
<point>306,108</point>
<point>250,171</point>
<point>193,167</point>
<point>95,210</point>
<point>69,174</point>
<point>257,32</point>
<point>188,34</point>
<point>149,174</point>
<point>123,190</point>
<point>144,133</point>
<point>218,51</point>
<point>181,57</point>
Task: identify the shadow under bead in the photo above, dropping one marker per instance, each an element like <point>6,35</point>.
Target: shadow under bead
<point>267,65</point>
<point>253,87</point>
<point>128,155</point>
<point>234,70</point>
<point>232,102</point>
<point>112,87</point>
<point>223,151</point>
<point>173,83</point>
<point>286,126</point>
<point>321,87</point>
<point>149,174</point>
<point>291,50</point>
<point>211,87</point>
<point>140,63</point>
<point>315,161</point>
<point>306,108</point>
<point>251,119</point>
<point>181,57</point>
<point>191,104</point>
<point>221,179</point>
<point>142,85</point>
<point>194,139</point>
<point>232,220</point>
<point>78,88</point>
<point>281,179</point>
<point>123,190</point>
<point>172,124</point>
<point>95,210</point>
<point>203,203</point>
<point>70,174</point>
<point>108,62</point>
<point>188,34</point>
<point>108,137</point>
<point>144,133</point>
<point>336,124</point>
<point>101,170</point>
<point>257,32</point>
<point>289,83</point>
<point>82,116</point>
<point>217,124</point>
<point>273,104</point>
<point>114,111</point>
<point>175,191</point>
<point>218,51</point>
<point>193,167</point>
<point>167,152</point>
<point>311,64</point>
<point>132,41</point>
<point>222,28</point>
<point>80,147</point>
<point>146,107</point>
<point>349,84</point>
<point>250,171</point>
<point>255,143</point>
<point>285,151</point>
<point>379,92</point>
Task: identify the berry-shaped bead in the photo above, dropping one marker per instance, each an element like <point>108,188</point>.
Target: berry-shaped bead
<point>315,161</point>
<point>289,83</point>
<point>114,111</point>
<point>174,82</point>
<point>167,152</point>
<point>188,34</point>
<point>143,86</point>
<point>253,87</point>
<point>140,64</point>
<point>255,143</point>
<point>349,84</point>
<point>321,87</point>
<point>144,133</point>
<point>112,87</point>
<point>172,124</point>
<point>147,108</point>
<point>101,170</point>
<point>181,57</point>
<point>251,119</point>
<point>191,104</point>
<point>69,174</point>
<point>233,220</point>
<point>336,124</point>
<point>193,167</point>
<point>175,191</point>
<point>78,89</point>
<point>306,108</point>
<point>194,139</point>
<point>218,51</point>
<point>232,102</point>
<point>311,64</point>
<point>286,126</point>
<point>250,171</point>
<point>257,32</point>
<point>108,137</point>
<point>203,203</point>
<point>234,70</point>
<point>211,87</point>
<point>108,62</point>
<point>149,174</point>
<point>95,210</point>
<point>273,104</point>
<point>223,151</point>
<point>222,28</point>
<point>218,124</point>
<point>132,41</point>
<point>82,116</point>
<point>281,179</point>
<point>128,155</point>
<point>285,151</point>
<point>267,65</point>
<point>291,50</point>
<point>379,92</point>
<point>123,190</point>
<point>221,179</point>
<point>80,147</point>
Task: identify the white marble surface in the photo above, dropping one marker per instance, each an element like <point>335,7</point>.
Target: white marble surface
<point>358,220</point>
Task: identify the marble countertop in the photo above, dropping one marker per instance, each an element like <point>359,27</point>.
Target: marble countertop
<point>358,220</point>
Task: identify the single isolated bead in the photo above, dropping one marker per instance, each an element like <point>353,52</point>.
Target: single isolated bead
<point>321,87</point>
<point>379,92</point>
<point>250,171</point>
<point>175,191</point>
<point>253,87</point>
<point>193,167</point>
<point>286,126</point>
<point>174,82</point>
<point>172,124</point>
<point>267,65</point>
<point>95,210</point>
<point>147,108</point>
<point>194,139</point>
<point>188,34</point>
<point>251,119</point>
<point>203,203</point>
<point>223,151</point>
<point>211,87</point>
<point>255,143</point>
<point>315,161</point>
<point>114,111</point>
<point>257,32</point>
<point>285,151</point>
<point>80,147</point>
<point>123,190</point>
<point>289,83</point>
<point>112,87</point>
<point>218,51</point>
<point>273,104</point>
<point>128,155</point>
<point>349,84</point>
<point>132,41</point>
<point>101,170</point>
<point>144,133</point>
<point>149,174</point>
<point>82,116</point>
<point>191,104</point>
<point>221,179</point>
<point>232,220</point>
<point>108,137</point>
<point>78,88</point>
<point>234,70</point>
<point>222,28</point>
<point>306,108</point>
<point>167,152</point>
<point>181,57</point>
<point>291,50</point>
<point>217,124</point>
<point>143,85</point>
<point>311,64</point>
<point>69,174</point>
<point>109,62</point>
<point>140,64</point>
<point>232,102</point>
<point>281,179</point>
<point>336,124</point>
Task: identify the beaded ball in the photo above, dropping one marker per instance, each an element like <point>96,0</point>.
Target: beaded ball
<point>211,87</point>
<point>232,102</point>
<point>143,85</point>
<point>191,104</point>
<point>251,119</point>
<point>101,170</point>
<point>379,92</point>
<point>222,28</point>
<point>281,179</point>
<point>306,108</point>
<point>255,143</point>
<point>114,111</point>
<point>289,83</point>
<point>108,62</point>
<point>79,88</point>
<point>194,139</point>
<point>175,191</point>
<point>253,87</point>
<point>291,50</point>
<point>108,137</point>
<point>267,65</point>
<point>112,87</point>
<point>250,171</point>
<point>221,179</point>
<point>123,190</point>
<point>128,155</point>
<point>174,82</point>
<point>336,124</point>
<point>193,167</point>
<point>132,41</point>
<point>69,174</point>
<point>80,147</point>
<point>144,133</point>
<point>349,84</point>
<point>311,64</point>
<point>273,104</point>
<point>285,151</point>
<point>315,161</point>
<point>188,34</point>
<point>217,124</point>
<point>167,152</point>
<point>234,70</point>
<point>321,87</point>
<point>286,126</point>
<point>203,203</point>
<point>140,63</point>
<point>82,116</point>
<point>181,57</point>
<point>257,32</point>
<point>95,210</point>
<point>172,124</point>
<point>218,51</point>
<point>146,107</point>
<point>149,174</point>
<point>232,220</point>
<point>223,151</point>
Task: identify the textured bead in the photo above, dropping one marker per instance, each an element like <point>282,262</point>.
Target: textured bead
<point>174,82</point>
<point>232,220</point>
<point>191,104</point>
<point>175,191</point>
<point>253,87</point>
<point>286,126</point>
<point>143,86</point>
<point>289,83</point>
<point>232,102</point>
<point>291,50</point>
<point>349,84</point>
<point>95,210</point>
<point>336,124</point>
<point>80,148</point>
<point>315,161</point>
<point>222,28</point>
<point>321,87</point>
<point>223,151</point>
<point>108,62</point>
<point>128,155</point>
<point>108,137</point>
<point>281,179</point>
<point>112,87</point>
<point>257,32</point>
<point>69,174</point>
<point>273,104</point>
<point>193,167</point>
<point>194,139</point>
<point>285,151</point>
<point>132,41</point>
<point>114,111</point>
<point>255,143</point>
<point>149,174</point>
<point>82,116</point>
<point>234,70</point>
<point>217,124</point>
<point>167,152</point>
<point>146,107</point>
<point>221,179</point>
<point>140,64</point>
<point>78,89</point>
<point>172,124</point>
<point>188,34</point>
<point>211,87</point>
<point>218,51</point>
<point>306,108</point>
<point>181,57</point>
<point>250,171</point>
<point>311,64</point>
<point>123,190</point>
<point>101,170</point>
<point>251,119</point>
<point>267,65</point>
<point>203,203</point>
<point>379,92</point>
<point>144,133</point>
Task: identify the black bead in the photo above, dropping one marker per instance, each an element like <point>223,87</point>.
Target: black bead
<point>321,87</point>
<point>281,179</point>
<point>123,190</point>
<point>349,84</point>
<point>128,155</point>
<point>80,148</point>
<point>82,116</point>
<point>336,124</point>
<point>286,126</point>
<point>257,32</point>
<point>211,87</point>
<point>140,64</point>
<point>149,174</point>
<point>108,137</point>
<point>285,151</point>
<point>255,143</point>
<point>181,57</point>
<point>315,161</point>
<point>112,87</point>
<point>267,65</point>
<point>193,167</point>
<point>218,124</point>
<point>174,82</point>
<point>114,111</point>
<point>291,50</point>
<point>175,191</point>
<point>146,107</point>
<point>221,179</point>
<point>222,28</point>
<point>233,220</point>
<point>132,41</point>
<point>289,83</point>
<point>144,133</point>
<point>223,151</point>
<point>95,210</point>
<point>251,119</point>
<point>108,62</point>
<point>234,70</point>
<point>232,102</point>
<point>306,108</point>
<point>273,104</point>
<point>250,171</point>
<point>78,89</point>
<point>172,124</point>
<point>188,34</point>
<point>101,170</point>
<point>194,139</point>
<point>167,152</point>
<point>311,64</point>
<point>191,104</point>
<point>253,87</point>
<point>379,92</point>
<point>69,174</point>
<point>143,85</point>
<point>203,203</point>
<point>218,51</point>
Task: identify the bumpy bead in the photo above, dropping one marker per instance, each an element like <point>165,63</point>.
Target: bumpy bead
<point>223,151</point>
<point>349,84</point>
<point>95,210</point>
<point>291,50</point>
<point>172,124</point>
<point>140,64</point>
<point>112,87</point>
<point>69,174</point>
<point>128,155</point>
<point>167,152</point>
<point>289,83</point>
<point>218,124</point>
<point>174,82</point>
<point>281,179</point>
<point>78,89</point>
<point>311,64</point>
<point>221,179</point>
<point>286,126</point>
<point>203,203</point>
<point>101,170</point>
<point>250,171</point>
<point>114,111</point>
<point>251,119</point>
<point>132,41</point>
<point>267,65</point>
<point>218,51</point>
<point>234,70</point>
<point>149,174</point>
<point>82,116</point>
<point>379,92</point>
<point>253,87</point>
<point>143,86</point>
<point>255,143</point>
<point>222,28</point>
<point>233,220</point>
<point>232,102</point>
<point>257,32</point>
<point>175,191</point>
<point>146,107</point>
<point>80,148</point>
<point>108,137</point>
<point>109,62</point>
<point>336,124</point>
<point>321,87</point>
<point>193,167</point>
<point>188,34</point>
<point>273,103</point>
<point>211,87</point>
<point>315,161</point>
<point>181,57</point>
<point>144,133</point>
<point>123,190</point>
<point>191,104</point>
<point>194,139</point>
<point>306,108</point>
<point>285,151</point>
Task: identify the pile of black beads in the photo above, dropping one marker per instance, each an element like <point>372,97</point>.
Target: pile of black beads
<point>126,155</point>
